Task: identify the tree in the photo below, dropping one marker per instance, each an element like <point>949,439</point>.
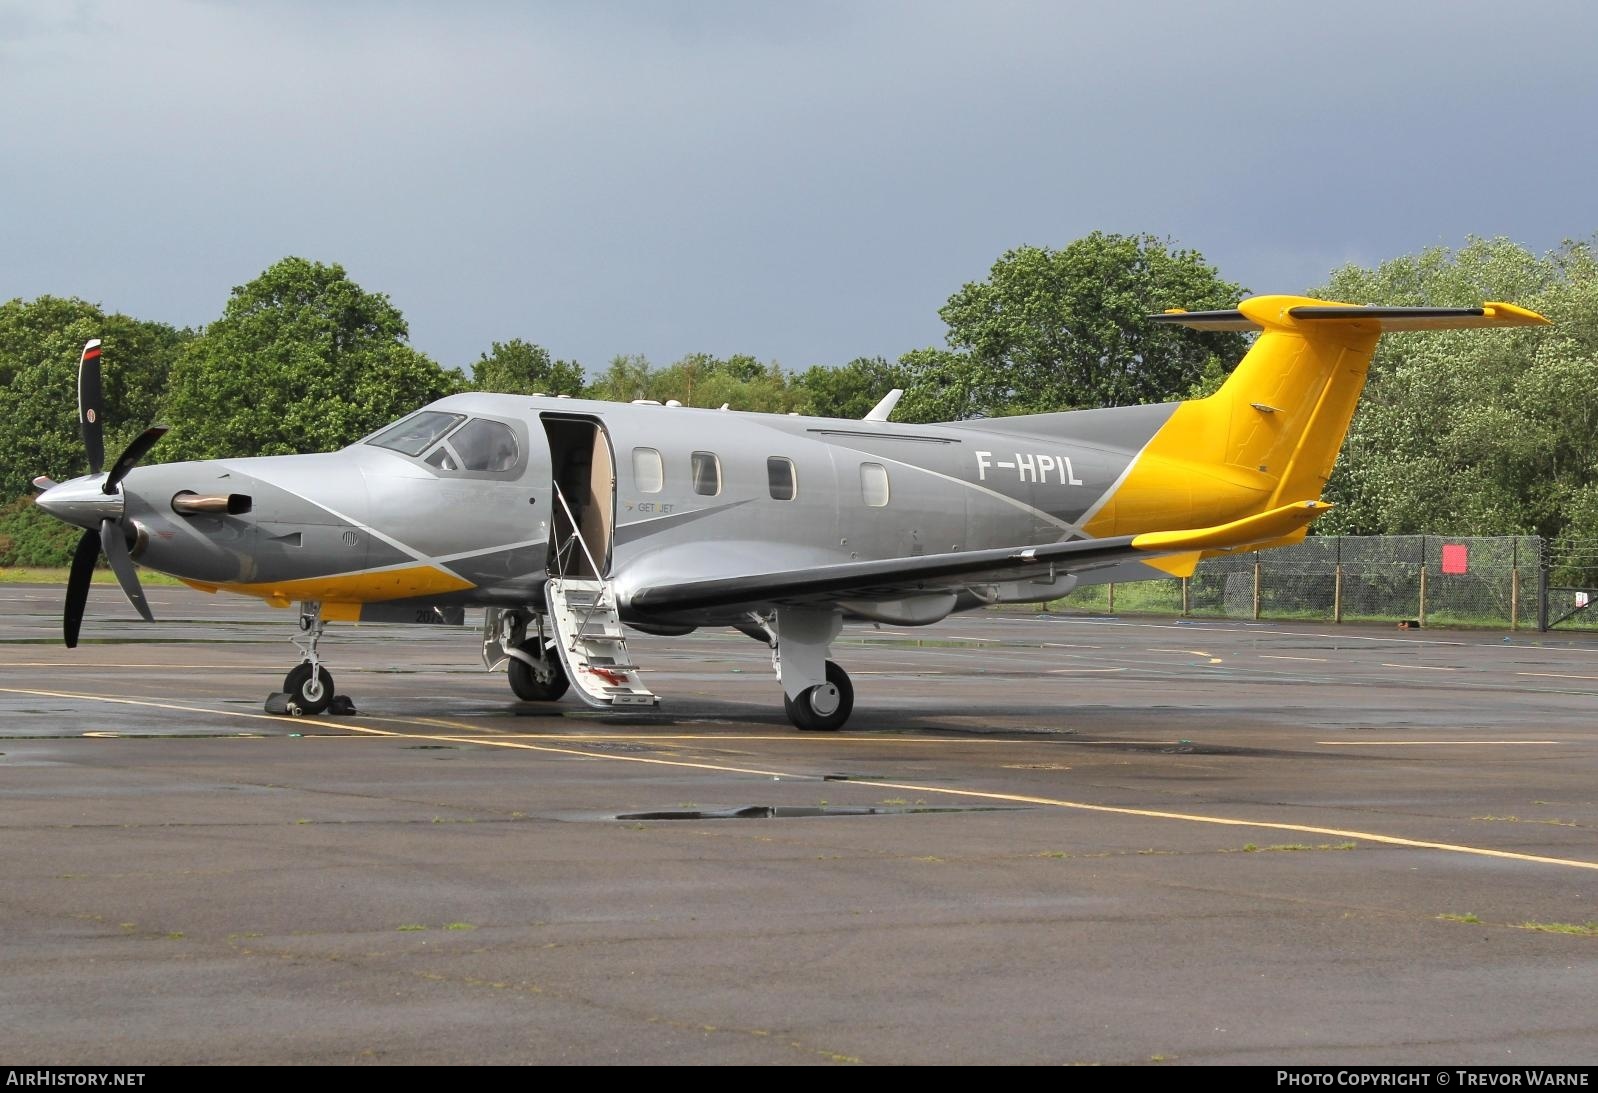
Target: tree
<point>40,343</point>
<point>626,379</point>
<point>1476,432</point>
<point>1058,329</point>
<point>740,382</point>
<point>522,368</point>
<point>850,390</point>
<point>302,359</point>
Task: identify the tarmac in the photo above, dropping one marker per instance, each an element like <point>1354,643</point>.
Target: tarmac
<point>1040,840</point>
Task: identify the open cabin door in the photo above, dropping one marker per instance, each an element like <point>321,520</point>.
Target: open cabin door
<point>581,602</point>
<point>584,517</point>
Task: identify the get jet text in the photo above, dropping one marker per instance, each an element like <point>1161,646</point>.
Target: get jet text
<point>1030,467</point>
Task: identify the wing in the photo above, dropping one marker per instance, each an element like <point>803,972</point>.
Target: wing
<point>897,577</point>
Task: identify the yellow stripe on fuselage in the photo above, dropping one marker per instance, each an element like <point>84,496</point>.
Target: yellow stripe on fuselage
<point>352,589</point>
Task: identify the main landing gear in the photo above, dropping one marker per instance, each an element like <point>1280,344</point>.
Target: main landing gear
<point>533,666</point>
<point>816,692</point>
<point>825,706</point>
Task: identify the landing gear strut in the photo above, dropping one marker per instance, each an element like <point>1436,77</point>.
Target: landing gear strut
<point>309,685</point>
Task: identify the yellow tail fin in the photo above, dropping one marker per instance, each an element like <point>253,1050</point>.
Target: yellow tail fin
<point>1270,435</point>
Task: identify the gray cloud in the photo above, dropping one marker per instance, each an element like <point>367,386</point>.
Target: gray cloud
<point>803,181</point>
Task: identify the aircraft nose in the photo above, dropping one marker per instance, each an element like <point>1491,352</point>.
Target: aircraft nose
<point>82,501</point>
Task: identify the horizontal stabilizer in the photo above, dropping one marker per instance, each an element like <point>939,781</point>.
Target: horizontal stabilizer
<point>1260,528</point>
<point>1372,318</point>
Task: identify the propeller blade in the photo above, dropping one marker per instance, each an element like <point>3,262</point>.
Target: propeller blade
<point>91,405</point>
<point>131,455</point>
<point>116,552</point>
<point>83,560</point>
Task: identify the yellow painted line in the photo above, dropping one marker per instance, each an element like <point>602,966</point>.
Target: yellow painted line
<point>1554,675</point>
<point>1191,653</point>
<point>983,795</point>
<point>1279,656</point>
<point>1405,743</point>
<point>82,665</point>
<point>1420,667</point>
<point>577,737</point>
<point>1079,671</point>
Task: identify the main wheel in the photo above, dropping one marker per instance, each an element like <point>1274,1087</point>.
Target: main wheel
<point>541,682</point>
<point>311,695</point>
<point>824,707</point>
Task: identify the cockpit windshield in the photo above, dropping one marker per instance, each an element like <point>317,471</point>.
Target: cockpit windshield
<point>415,434</point>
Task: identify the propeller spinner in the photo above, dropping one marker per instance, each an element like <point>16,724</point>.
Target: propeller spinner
<point>95,501</point>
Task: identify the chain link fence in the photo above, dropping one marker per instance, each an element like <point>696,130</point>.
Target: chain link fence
<point>1425,580</point>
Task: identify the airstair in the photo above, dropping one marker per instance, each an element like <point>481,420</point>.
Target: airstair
<point>587,628</point>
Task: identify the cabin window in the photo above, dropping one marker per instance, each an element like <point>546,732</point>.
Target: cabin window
<point>782,478</point>
<point>707,473</point>
<point>442,459</point>
<point>415,434</point>
<point>649,472</point>
<point>874,484</point>
<point>484,445</point>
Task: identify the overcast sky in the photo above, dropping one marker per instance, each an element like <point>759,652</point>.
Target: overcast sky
<point>801,181</point>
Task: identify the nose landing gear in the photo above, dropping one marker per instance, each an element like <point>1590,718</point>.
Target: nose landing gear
<point>308,688</point>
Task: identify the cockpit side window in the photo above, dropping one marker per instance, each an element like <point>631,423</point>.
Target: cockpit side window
<point>415,434</point>
<point>484,445</point>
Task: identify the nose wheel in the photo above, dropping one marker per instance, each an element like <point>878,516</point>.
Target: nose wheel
<point>311,689</point>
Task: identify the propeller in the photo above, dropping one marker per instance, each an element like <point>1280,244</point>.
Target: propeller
<point>97,506</point>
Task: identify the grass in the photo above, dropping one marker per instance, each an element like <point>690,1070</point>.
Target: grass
<point>1578,929</point>
<point>1250,848</point>
<point>22,574</point>
<point>1469,918</point>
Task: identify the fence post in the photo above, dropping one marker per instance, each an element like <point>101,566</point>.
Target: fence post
<point>1109,608</point>
<point>1184,598</point>
<point>1542,584</point>
<point>1514,585</point>
<point>1337,583</point>
<point>1421,617</point>
<point>1256,586</point>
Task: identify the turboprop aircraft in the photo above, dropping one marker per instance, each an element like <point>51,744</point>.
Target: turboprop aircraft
<point>570,520</point>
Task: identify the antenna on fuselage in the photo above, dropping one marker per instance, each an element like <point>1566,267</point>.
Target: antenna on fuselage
<point>881,410</point>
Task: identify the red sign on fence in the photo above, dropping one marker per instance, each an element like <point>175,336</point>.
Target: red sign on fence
<point>1456,558</point>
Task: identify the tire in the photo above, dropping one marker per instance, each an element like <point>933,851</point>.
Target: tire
<point>544,683</point>
<point>301,688</point>
<point>810,712</point>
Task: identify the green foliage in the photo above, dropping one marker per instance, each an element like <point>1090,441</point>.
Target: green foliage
<point>1476,432</point>
<point>1056,329</point>
<point>40,342</point>
<point>851,390</point>
<point>29,536</point>
<point>522,368</point>
<point>699,379</point>
<point>626,379</point>
<point>303,359</point>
